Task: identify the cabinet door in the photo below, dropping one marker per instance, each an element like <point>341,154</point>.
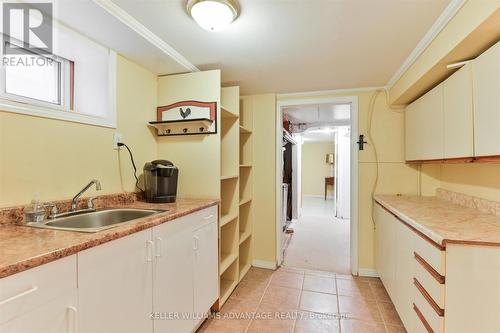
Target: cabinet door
<point>115,285</point>
<point>405,273</point>
<point>458,116</point>
<point>173,275</point>
<point>385,239</point>
<point>412,143</point>
<point>430,126</point>
<point>487,102</point>
<point>205,267</point>
<point>56,316</point>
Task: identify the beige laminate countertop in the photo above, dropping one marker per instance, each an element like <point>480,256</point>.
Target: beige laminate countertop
<point>442,221</point>
<point>24,247</point>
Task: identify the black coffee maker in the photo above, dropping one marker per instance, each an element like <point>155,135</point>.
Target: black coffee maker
<point>160,179</point>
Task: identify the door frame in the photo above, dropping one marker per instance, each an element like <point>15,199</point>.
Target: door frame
<point>353,101</point>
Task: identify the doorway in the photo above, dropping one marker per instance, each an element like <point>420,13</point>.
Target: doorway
<point>317,186</point>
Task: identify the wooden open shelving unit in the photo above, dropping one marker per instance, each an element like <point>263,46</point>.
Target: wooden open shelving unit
<point>235,227</point>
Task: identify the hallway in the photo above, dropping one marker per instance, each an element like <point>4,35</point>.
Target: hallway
<point>320,241</point>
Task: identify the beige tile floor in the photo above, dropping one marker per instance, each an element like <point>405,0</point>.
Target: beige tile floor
<point>297,300</point>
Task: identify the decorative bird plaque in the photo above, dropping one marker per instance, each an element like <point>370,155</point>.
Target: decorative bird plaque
<point>186,118</point>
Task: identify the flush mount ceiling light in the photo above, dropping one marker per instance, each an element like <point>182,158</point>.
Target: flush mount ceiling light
<point>213,15</point>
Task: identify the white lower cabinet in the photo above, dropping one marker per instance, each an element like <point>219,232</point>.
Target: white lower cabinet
<point>173,276</point>
<point>398,269</point>
<point>206,264</point>
<point>163,279</point>
<point>42,299</point>
<point>115,285</point>
<point>156,280</point>
<point>56,316</point>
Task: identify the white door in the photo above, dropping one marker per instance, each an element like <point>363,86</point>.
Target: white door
<point>205,267</point>
<point>115,286</point>
<point>56,316</point>
<point>173,275</point>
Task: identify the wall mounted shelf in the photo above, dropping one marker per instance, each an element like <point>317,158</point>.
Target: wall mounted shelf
<point>182,127</point>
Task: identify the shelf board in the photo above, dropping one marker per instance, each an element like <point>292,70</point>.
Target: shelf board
<point>244,270</point>
<point>226,218</point>
<point>182,126</point>
<point>226,288</point>
<point>225,113</point>
<point>245,130</point>
<point>245,165</point>
<point>228,177</point>
<point>226,260</point>
<point>244,236</point>
<point>244,201</point>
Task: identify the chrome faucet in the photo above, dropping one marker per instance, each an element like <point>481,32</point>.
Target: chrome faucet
<point>75,198</point>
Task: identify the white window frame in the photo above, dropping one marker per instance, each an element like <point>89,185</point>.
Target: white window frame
<point>64,88</point>
<point>32,107</point>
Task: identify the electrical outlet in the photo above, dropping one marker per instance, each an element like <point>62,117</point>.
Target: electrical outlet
<point>116,139</point>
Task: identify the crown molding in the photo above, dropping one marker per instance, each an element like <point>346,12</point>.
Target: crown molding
<point>147,34</point>
<point>327,92</point>
<point>443,19</point>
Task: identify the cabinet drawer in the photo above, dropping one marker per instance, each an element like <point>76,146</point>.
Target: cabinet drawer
<point>25,291</point>
<point>430,279</point>
<point>204,216</point>
<point>431,252</point>
<point>434,319</point>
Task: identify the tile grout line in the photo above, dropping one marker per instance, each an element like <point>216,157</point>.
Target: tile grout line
<point>260,302</point>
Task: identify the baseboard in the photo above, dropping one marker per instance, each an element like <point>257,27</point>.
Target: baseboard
<point>368,272</point>
<point>264,264</point>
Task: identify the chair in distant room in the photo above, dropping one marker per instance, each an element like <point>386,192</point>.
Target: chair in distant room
<point>329,181</point>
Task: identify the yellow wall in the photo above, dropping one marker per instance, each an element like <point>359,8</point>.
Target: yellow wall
<point>394,176</point>
<point>57,158</point>
<point>315,168</point>
<point>196,156</point>
<point>263,110</point>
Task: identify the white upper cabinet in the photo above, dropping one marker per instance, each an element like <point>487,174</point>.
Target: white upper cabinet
<point>411,133</point>
<point>430,124</point>
<point>458,116</point>
<point>486,69</point>
<point>424,127</point>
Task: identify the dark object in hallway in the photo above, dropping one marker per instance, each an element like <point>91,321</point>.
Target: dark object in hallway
<point>287,178</point>
<point>328,181</point>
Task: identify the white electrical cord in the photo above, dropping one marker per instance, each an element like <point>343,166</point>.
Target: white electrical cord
<point>371,110</point>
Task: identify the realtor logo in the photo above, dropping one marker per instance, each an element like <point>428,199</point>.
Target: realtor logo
<point>29,26</point>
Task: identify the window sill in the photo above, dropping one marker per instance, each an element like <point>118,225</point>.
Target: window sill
<point>58,114</point>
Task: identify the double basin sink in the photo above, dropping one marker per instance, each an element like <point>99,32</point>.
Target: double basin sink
<point>97,220</point>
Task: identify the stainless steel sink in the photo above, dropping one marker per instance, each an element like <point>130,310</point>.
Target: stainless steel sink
<point>96,221</point>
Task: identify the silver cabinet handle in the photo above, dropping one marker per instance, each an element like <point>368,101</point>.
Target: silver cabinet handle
<point>22,294</point>
<point>195,242</point>
<point>149,251</point>
<point>158,241</point>
<point>208,217</point>
<point>73,325</point>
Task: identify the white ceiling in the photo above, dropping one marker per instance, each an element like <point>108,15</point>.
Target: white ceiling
<point>295,45</point>
<point>91,20</point>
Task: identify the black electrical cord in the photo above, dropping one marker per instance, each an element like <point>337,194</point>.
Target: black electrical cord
<point>120,144</point>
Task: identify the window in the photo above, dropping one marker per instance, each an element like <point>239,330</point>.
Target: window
<point>36,79</point>
<point>76,83</point>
